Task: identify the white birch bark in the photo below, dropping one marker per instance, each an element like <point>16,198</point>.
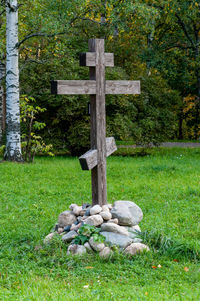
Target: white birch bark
<point>1,100</point>
<point>13,140</point>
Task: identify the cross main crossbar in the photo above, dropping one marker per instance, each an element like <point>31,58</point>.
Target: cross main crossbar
<point>76,87</point>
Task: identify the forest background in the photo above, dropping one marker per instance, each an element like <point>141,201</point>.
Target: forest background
<point>155,41</point>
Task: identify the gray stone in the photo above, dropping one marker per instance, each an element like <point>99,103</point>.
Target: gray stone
<point>87,212</point>
<point>49,237</point>
<point>94,220</point>
<point>106,215</point>
<point>69,236</point>
<point>127,213</point>
<point>88,247</point>
<point>77,209</point>
<point>86,206</point>
<point>136,248</point>
<point>105,253</point>
<point>76,250</point>
<point>67,228</point>
<point>115,239</point>
<point>96,245</point>
<point>66,218</point>
<point>95,210</point>
<point>112,227</point>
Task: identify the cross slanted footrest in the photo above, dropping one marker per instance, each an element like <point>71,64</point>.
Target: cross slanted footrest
<point>97,87</point>
<point>89,160</point>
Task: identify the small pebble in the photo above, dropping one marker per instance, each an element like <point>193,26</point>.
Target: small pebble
<point>86,206</point>
<point>60,230</point>
<point>72,206</point>
<point>87,212</point>
<point>67,228</point>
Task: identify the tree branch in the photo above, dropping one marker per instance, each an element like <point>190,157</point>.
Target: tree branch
<point>178,46</point>
<point>38,34</point>
<point>3,11</point>
<point>182,24</point>
<point>91,20</point>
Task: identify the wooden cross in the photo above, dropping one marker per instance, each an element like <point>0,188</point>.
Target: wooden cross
<point>97,87</point>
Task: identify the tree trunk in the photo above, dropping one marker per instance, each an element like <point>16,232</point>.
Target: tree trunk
<point>13,140</point>
<point>180,125</point>
<point>1,101</point>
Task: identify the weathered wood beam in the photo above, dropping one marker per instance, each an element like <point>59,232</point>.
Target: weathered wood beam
<point>111,146</point>
<point>89,160</point>
<point>122,87</point>
<point>75,87</point>
<point>89,59</point>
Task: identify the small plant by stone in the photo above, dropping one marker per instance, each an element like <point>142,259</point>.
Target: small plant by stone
<point>86,232</point>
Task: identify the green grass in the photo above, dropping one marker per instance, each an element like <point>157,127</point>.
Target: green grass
<point>165,184</point>
<point>132,142</point>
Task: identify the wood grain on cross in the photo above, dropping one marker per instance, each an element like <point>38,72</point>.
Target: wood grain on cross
<point>97,87</point>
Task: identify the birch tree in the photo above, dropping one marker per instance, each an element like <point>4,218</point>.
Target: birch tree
<point>2,73</point>
<point>13,140</point>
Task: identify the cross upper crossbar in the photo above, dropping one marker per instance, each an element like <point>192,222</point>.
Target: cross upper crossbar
<point>74,87</point>
<point>97,87</point>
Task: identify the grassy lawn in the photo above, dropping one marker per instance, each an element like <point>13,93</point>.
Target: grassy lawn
<point>166,185</point>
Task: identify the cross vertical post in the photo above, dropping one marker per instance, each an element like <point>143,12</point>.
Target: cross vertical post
<point>98,123</point>
<point>97,87</point>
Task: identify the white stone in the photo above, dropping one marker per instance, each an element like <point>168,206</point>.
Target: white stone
<point>49,237</point>
<point>135,228</point>
<point>96,245</point>
<point>72,206</point>
<point>105,253</point>
<point>127,213</point>
<point>110,206</point>
<point>60,230</point>
<point>77,209</point>
<point>115,239</point>
<point>88,247</point>
<point>76,250</point>
<point>105,208</point>
<point>82,212</point>
<point>95,210</point>
<point>69,236</point>
<point>72,227</point>
<point>112,227</point>
<point>75,227</point>
<point>136,248</point>
<point>106,215</point>
<point>66,218</point>
<point>114,220</point>
<point>94,220</point>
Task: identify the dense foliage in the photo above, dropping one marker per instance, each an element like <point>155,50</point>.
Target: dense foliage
<point>156,41</point>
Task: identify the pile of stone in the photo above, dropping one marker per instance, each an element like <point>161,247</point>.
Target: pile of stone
<point>117,223</point>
